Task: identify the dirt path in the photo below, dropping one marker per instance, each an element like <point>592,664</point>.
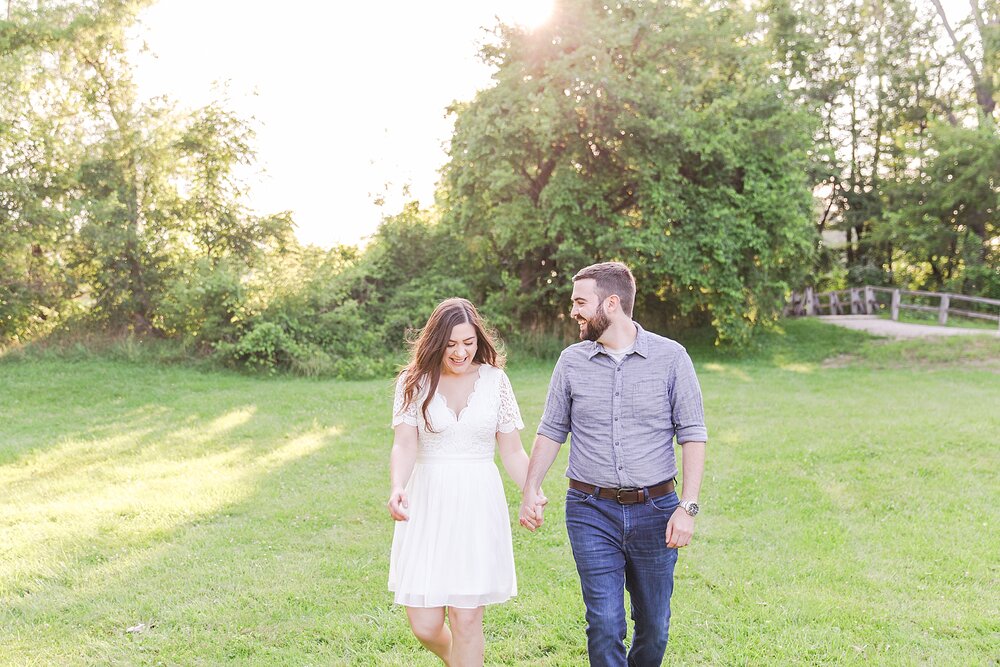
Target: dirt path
<point>882,327</point>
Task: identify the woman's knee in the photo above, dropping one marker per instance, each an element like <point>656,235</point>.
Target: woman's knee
<point>466,621</point>
<point>426,626</point>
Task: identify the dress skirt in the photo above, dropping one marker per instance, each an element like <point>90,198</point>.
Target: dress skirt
<point>455,550</point>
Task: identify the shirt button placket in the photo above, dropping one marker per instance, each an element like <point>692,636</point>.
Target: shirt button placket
<point>616,451</point>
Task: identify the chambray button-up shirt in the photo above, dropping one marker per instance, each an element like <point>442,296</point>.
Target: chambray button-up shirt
<point>624,416</point>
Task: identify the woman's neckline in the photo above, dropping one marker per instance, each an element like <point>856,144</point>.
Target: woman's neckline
<point>468,399</point>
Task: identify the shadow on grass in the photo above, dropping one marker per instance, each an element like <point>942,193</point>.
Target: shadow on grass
<point>224,516</point>
<point>243,524</point>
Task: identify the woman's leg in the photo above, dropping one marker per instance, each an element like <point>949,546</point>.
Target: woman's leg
<point>467,631</point>
<point>428,626</point>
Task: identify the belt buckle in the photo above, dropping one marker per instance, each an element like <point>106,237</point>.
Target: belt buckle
<point>618,494</point>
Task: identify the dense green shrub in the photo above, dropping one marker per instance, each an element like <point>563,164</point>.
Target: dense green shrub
<point>205,305</point>
<point>266,346</point>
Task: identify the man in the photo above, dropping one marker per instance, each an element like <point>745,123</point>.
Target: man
<point>625,394</point>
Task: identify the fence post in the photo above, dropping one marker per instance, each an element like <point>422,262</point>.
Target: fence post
<point>809,301</point>
<point>869,300</point>
<point>943,309</point>
<point>895,305</point>
<point>854,301</point>
<point>796,304</point>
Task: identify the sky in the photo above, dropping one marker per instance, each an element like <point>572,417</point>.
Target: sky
<point>348,99</point>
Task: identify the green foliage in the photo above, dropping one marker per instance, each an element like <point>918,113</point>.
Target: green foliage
<point>30,292</point>
<point>39,151</point>
<point>978,278</point>
<point>206,304</point>
<point>906,149</point>
<point>685,138</point>
<point>214,142</point>
<point>346,313</point>
<point>266,346</point>
<point>948,217</point>
<point>109,203</point>
<point>650,133</point>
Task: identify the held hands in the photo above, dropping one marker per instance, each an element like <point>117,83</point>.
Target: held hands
<point>532,507</point>
<point>680,528</point>
<point>398,504</point>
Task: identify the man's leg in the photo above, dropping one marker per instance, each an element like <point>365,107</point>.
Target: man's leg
<point>649,577</point>
<point>595,534</point>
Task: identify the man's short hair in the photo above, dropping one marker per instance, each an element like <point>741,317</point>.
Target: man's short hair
<point>611,278</point>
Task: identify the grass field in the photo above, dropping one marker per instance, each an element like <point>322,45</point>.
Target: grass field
<point>851,509</point>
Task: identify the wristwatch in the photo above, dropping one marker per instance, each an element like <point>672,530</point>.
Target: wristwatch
<point>690,506</point>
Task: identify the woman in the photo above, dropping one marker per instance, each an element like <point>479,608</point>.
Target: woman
<point>451,551</point>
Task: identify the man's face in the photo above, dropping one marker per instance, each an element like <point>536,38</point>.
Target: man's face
<point>588,310</point>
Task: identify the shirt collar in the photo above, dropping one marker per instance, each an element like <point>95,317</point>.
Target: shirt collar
<point>641,345</point>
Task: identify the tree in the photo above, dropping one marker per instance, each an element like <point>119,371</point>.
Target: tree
<point>984,75</point>
<point>653,133</point>
<point>40,148</point>
<point>946,217</point>
<point>110,202</point>
<point>899,90</point>
<point>867,70</point>
<point>213,144</point>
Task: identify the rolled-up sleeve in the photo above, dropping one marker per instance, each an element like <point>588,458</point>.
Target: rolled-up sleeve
<point>687,410</point>
<point>555,423</point>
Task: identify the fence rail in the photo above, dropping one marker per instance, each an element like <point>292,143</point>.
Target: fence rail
<point>863,301</point>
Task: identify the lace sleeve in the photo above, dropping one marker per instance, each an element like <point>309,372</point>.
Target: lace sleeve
<point>399,415</point>
<point>509,415</point>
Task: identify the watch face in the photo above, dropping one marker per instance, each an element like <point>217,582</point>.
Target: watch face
<point>691,508</point>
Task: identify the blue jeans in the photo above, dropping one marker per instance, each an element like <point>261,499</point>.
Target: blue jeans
<point>618,547</point>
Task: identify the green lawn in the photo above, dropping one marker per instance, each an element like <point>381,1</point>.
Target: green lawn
<point>850,515</point>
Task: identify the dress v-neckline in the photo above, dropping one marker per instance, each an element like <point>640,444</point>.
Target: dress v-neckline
<point>468,400</point>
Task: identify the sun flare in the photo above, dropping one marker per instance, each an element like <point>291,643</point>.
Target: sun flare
<point>531,13</point>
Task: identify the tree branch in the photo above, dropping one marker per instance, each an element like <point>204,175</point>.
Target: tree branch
<point>826,213</point>
<point>974,6</point>
<point>958,46</point>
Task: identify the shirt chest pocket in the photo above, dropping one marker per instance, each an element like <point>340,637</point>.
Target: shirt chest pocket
<point>649,401</point>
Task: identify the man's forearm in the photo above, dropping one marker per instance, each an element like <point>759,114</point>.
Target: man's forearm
<point>693,465</point>
<point>543,455</point>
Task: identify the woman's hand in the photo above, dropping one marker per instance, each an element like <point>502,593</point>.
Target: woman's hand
<point>532,509</point>
<point>398,504</point>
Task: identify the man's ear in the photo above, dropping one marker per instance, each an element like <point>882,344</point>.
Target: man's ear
<point>614,303</point>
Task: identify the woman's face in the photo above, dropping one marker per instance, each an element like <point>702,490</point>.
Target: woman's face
<point>461,349</point>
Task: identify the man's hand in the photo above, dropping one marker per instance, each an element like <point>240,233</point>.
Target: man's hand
<point>532,508</point>
<point>680,528</point>
<point>398,504</point>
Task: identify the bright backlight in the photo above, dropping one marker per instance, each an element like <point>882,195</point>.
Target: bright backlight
<point>531,13</point>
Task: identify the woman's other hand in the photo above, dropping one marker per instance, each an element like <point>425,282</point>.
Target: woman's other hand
<point>398,505</point>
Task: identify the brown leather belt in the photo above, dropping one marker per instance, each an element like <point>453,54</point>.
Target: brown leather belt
<point>626,495</point>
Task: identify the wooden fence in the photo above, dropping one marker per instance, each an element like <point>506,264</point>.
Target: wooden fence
<point>865,301</point>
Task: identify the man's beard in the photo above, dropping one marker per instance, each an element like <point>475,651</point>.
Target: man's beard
<point>595,327</point>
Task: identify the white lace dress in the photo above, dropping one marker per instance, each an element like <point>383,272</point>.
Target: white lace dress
<point>455,549</point>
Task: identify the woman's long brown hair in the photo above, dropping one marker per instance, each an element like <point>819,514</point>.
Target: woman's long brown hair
<point>427,350</point>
